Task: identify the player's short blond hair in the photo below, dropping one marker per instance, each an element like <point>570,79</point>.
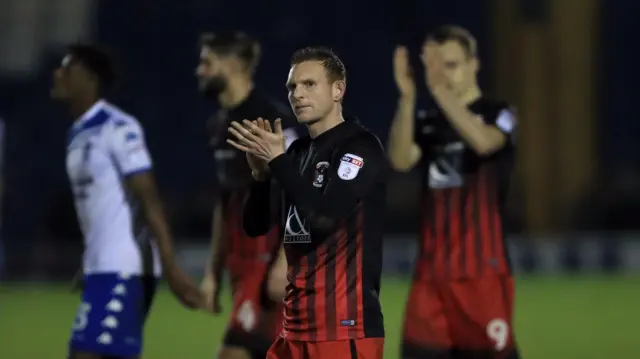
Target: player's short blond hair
<point>458,34</point>
<point>333,66</point>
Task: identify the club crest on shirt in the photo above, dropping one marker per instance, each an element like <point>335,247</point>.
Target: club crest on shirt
<point>350,165</point>
<point>320,174</point>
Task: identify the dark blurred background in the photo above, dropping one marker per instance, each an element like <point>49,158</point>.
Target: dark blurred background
<point>569,67</point>
<point>566,65</point>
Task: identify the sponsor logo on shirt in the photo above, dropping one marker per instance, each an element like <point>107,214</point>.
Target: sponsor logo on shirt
<point>296,228</point>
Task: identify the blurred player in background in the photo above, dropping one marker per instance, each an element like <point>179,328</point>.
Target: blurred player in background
<point>461,302</point>
<point>331,209</point>
<point>110,171</point>
<point>256,267</point>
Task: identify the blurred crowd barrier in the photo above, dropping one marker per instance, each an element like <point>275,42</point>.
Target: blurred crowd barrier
<point>566,65</point>
<point>592,253</point>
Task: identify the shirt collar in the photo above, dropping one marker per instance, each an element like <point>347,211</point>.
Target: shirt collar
<point>100,104</point>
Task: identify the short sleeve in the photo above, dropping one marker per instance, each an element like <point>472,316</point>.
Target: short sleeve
<point>129,149</point>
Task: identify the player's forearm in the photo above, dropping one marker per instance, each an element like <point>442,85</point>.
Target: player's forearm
<point>482,138</point>
<point>257,216</point>
<point>215,264</point>
<point>277,281</point>
<point>401,135</point>
<point>159,227</point>
<point>323,209</point>
<point>144,188</point>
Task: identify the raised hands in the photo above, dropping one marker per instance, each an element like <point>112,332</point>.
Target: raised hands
<point>403,73</point>
<point>434,67</point>
<point>258,141</point>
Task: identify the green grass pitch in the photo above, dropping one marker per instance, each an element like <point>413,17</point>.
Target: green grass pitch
<point>556,318</point>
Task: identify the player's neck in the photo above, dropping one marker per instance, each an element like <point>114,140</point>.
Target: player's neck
<point>79,107</point>
<point>323,125</point>
<point>471,95</point>
<point>238,89</point>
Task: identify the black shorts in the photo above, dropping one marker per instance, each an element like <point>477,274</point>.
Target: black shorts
<point>257,345</point>
<point>251,292</point>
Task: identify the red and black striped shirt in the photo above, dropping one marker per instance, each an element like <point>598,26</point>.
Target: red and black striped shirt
<point>333,199</point>
<point>243,255</point>
<point>462,229</point>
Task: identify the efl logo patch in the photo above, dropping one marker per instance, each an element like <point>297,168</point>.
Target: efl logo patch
<point>506,121</point>
<point>350,165</point>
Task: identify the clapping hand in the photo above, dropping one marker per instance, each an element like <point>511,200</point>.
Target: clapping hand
<point>210,288</point>
<point>403,73</point>
<point>434,67</point>
<point>257,139</point>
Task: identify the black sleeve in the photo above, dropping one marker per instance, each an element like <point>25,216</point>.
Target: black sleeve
<point>507,122</point>
<point>425,128</point>
<point>362,164</point>
<point>257,217</point>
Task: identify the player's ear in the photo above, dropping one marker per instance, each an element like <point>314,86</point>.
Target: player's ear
<point>92,80</point>
<point>232,66</point>
<point>339,88</point>
<point>475,63</point>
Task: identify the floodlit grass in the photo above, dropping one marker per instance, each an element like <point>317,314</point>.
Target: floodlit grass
<point>556,318</point>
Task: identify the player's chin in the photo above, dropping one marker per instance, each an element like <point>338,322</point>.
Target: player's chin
<point>306,118</point>
<point>205,89</point>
